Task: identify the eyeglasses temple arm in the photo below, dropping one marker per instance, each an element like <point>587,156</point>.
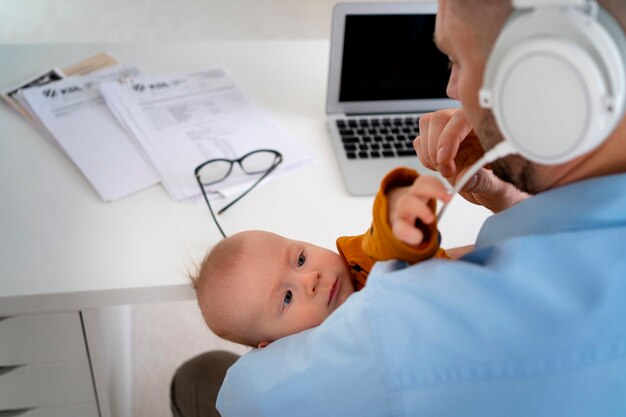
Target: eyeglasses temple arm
<point>210,208</point>
<point>269,171</point>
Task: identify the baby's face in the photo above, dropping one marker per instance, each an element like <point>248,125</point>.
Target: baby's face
<point>286,286</point>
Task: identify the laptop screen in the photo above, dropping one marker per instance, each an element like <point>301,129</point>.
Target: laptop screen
<point>391,57</point>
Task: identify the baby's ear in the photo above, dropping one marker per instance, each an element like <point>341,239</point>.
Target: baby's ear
<point>263,344</point>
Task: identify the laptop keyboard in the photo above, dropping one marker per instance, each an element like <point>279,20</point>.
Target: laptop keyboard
<point>378,137</point>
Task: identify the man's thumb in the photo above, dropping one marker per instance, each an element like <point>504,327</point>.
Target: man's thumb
<point>480,183</point>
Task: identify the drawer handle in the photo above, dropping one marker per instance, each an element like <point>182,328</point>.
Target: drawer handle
<point>5,370</point>
<point>14,413</point>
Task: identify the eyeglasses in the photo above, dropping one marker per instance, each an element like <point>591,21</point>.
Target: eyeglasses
<point>262,161</point>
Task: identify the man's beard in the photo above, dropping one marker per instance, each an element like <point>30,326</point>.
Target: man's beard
<point>512,169</point>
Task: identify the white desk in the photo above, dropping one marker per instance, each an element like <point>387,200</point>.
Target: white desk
<point>62,249</point>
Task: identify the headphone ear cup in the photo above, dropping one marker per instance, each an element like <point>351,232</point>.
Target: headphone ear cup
<point>553,94</point>
<point>545,98</point>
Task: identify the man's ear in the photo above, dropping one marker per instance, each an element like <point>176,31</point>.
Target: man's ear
<point>263,344</point>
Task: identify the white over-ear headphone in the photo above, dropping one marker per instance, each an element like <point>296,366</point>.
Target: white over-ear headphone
<point>556,79</point>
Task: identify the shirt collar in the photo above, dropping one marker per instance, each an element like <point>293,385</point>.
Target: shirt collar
<point>593,203</point>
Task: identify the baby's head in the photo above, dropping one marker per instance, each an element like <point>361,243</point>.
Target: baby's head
<point>256,287</point>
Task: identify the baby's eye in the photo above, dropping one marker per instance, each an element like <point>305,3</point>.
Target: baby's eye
<point>301,259</point>
<point>287,299</point>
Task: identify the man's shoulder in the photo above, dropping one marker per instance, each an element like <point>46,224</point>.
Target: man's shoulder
<point>530,299</point>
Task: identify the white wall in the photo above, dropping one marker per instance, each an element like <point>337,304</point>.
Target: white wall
<point>26,21</point>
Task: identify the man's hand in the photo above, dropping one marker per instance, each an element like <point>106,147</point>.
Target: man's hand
<point>410,203</point>
<point>448,144</point>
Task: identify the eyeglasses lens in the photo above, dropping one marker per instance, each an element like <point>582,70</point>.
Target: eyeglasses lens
<point>214,172</point>
<point>258,162</point>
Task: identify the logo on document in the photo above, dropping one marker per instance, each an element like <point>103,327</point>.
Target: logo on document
<point>139,87</point>
<point>52,92</point>
<point>49,92</point>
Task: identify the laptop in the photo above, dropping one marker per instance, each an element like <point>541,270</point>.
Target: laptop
<point>385,71</point>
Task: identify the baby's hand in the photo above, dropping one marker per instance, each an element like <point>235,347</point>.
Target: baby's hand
<point>408,204</point>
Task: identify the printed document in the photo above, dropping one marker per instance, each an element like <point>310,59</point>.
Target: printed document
<point>77,117</point>
<point>14,97</point>
<point>184,120</point>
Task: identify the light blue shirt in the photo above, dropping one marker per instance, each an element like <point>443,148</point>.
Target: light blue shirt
<point>531,323</point>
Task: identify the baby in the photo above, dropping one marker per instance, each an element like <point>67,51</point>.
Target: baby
<point>256,287</point>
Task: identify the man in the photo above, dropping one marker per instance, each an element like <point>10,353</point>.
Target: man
<point>531,323</point>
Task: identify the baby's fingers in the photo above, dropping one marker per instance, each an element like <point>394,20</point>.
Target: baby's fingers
<point>407,232</point>
<point>428,187</point>
<point>412,207</point>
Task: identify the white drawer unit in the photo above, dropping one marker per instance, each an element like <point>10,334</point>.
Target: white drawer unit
<point>41,338</point>
<point>44,367</point>
<point>46,385</point>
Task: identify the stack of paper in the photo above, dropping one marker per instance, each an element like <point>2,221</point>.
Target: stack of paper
<point>77,117</point>
<point>183,120</point>
<point>126,131</point>
<point>14,97</point>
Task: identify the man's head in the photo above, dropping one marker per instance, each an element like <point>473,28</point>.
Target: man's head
<point>256,287</point>
<point>466,31</point>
